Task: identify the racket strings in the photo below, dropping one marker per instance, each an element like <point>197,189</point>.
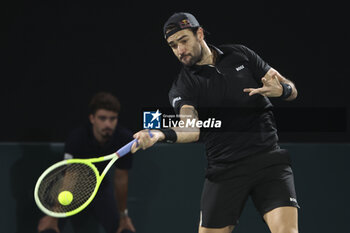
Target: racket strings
<point>77,178</point>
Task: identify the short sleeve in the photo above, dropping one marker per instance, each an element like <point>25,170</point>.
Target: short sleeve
<point>257,65</point>
<point>183,92</point>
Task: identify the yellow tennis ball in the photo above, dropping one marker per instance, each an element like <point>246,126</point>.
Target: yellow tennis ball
<point>65,197</point>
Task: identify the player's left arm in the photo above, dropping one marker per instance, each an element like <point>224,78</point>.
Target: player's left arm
<point>272,86</point>
<point>121,180</point>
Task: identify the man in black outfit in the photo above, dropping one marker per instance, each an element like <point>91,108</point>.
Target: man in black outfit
<point>102,135</point>
<point>233,84</point>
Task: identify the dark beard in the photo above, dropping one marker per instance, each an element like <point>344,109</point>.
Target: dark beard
<point>108,134</point>
<point>196,59</point>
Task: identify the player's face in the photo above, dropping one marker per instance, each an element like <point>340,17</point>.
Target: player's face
<point>186,47</point>
<point>104,122</point>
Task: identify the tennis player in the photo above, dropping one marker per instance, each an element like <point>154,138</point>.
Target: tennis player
<point>102,135</point>
<point>244,158</point>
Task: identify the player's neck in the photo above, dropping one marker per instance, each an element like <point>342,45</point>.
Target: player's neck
<point>208,56</point>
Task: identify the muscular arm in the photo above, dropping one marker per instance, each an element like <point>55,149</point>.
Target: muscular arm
<point>188,134</point>
<point>121,180</point>
<point>121,188</point>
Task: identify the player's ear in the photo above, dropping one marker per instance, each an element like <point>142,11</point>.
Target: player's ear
<point>200,33</point>
<point>92,118</point>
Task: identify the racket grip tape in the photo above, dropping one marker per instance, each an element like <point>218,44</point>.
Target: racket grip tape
<point>127,148</point>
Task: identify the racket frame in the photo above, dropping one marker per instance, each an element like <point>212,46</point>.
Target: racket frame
<point>89,162</point>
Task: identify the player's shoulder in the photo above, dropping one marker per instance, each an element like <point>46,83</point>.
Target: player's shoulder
<point>239,51</point>
<point>234,48</point>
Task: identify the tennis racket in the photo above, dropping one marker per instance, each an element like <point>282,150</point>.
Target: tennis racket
<point>78,177</point>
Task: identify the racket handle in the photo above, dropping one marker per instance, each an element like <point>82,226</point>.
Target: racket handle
<point>127,148</point>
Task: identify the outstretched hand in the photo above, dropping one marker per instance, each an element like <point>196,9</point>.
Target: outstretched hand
<point>271,87</point>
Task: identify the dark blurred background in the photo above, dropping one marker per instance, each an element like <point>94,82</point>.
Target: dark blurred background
<point>57,54</point>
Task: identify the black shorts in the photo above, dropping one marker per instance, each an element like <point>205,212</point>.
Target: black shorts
<point>270,185</point>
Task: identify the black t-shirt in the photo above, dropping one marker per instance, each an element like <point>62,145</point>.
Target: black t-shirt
<point>248,125</point>
<point>81,143</point>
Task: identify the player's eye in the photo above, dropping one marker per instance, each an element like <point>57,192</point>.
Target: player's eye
<point>173,46</point>
<point>102,118</point>
<point>113,118</point>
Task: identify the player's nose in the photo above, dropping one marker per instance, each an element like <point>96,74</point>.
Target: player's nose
<point>181,49</point>
<point>108,123</point>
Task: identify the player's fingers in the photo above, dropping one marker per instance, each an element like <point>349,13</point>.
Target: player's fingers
<point>151,138</point>
<point>140,143</point>
<point>248,89</point>
<point>136,135</point>
<point>140,140</point>
<point>276,79</point>
<point>257,91</point>
<point>154,140</point>
<point>135,147</point>
<point>145,139</point>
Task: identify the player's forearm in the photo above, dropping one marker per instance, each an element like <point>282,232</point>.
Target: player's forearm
<point>121,188</point>
<point>185,134</point>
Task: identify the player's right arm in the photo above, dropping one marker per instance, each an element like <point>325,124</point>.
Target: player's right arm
<point>187,134</point>
<point>184,134</point>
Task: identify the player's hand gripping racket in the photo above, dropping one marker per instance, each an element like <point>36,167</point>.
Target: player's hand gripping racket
<point>67,187</point>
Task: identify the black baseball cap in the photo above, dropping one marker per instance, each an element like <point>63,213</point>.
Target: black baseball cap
<point>180,20</point>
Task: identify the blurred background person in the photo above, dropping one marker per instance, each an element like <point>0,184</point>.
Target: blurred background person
<point>101,135</point>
